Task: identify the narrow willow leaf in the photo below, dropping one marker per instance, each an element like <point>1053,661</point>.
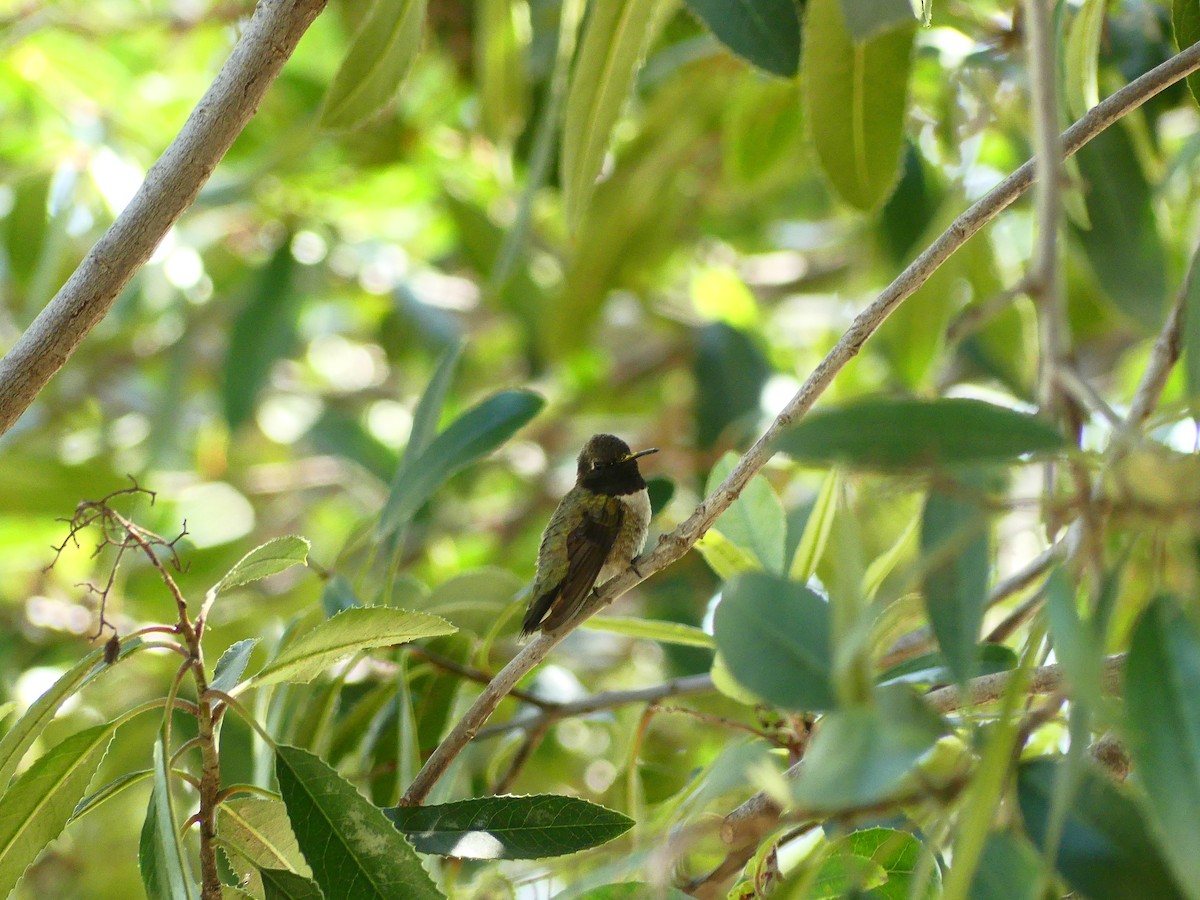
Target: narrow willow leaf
<point>509,827</point>
<point>429,408</point>
<point>1077,646</point>
<point>774,636</point>
<point>375,65</point>
<point>161,859</point>
<point>1163,710</point>
<point>280,884</point>
<point>266,559</point>
<point>855,99</point>
<point>354,851</point>
<point>817,529</point>
<point>1083,57</point>
<point>954,537</point>
<point>18,739</point>
<point>1106,851</point>
<point>653,630</point>
<point>259,835</point>
<point>38,805</point>
<point>1185,16</point>
<point>756,520</point>
<point>117,786</point>
<point>867,18</point>
<point>861,755</point>
<point>883,565</point>
<point>766,33</point>
<point>362,628</point>
<point>475,433</point>
<point>724,557</point>
<point>232,664</point>
<point>1191,330</point>
<point>615,38</point>
<point>911,433</point>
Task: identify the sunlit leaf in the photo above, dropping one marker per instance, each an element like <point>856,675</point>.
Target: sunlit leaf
<point>259,835</point>
<point>264,560</point>
<point>856,95</point>
<point>867,18</point>
<point>756,520</point>
<point>164,867</point>
<point>652,630</point>
<point>1083,56</point>
<point>817,529</point>
<point>280,884</point>
<point>725,557</point>
<point>362,628</point>
<point>509,827</point>
<point>354,852</point>
<point>376,63</point>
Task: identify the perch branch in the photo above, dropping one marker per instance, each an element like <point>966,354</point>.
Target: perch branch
<point>170,187</point>
<point>674,545</point>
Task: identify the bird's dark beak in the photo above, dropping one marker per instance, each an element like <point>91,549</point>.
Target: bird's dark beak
<point>641,453</point>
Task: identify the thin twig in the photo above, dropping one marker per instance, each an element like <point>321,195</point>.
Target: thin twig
<point>674,545</point>
<point>170,187</point>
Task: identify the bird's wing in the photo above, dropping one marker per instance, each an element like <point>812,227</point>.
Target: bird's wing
<point>588,546</point>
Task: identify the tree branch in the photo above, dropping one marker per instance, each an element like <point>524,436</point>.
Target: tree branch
<point>674,545</point>
<point>170,187</point>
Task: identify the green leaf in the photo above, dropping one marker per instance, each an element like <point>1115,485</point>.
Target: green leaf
<point>1105,851</point>
<point>845,875</point>
<point>264,560</point>
<point>855,99</point>
<point>774,637</point>
<point>1163,734</point>
<point>354,851</point>
<point>18,739</point>
<point>1083,57</point>
<point>755,521</point>
<point>262,333</point>
<point>259,835</point>
<point>1077,646</point>
<point>379,57</point>
<point>1009,869</point>
<point>931,668</point>
<point>429,408</point>
<point>280,884</point>
<point>817,529</point>
<point>867,18</point>
<point>653,630</point>
<point>160,853</point>
<point>724,557</point>
<point>473,600</point>
<point>724,682</point>
<point>475,433</point>
<point>1123,246</point>
<point>1191,330</point>
<point>616,35</point>
<point>362,628</point>
<point>898,854</point>
<point>860,756</point>
<point>954,538</point>
<point>911,433</point>
<point>38,805</point>
<point>117,786</point>
<point>232,664</point>
<point>764,32</point>
<point>1185,17</point>
<point>534,827</point>
<point>632,890</point>
<point>730,371</point>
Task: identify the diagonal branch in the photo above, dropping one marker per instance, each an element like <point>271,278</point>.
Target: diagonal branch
<point>170,187</point>
<point>673,546</point>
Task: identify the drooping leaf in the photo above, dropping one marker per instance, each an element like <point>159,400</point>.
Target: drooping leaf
<point>756,520</point>
<point>375,65</point>
<point>1123,245</point>
<point>534,827</point>
<point>861,755</point>
<point>1185,17</point>
<point>616,35</point>
<point>232,664</point>
<point>354,851</point>
<point>1163,734</point>
<point>954,539</point>
<point>1106,851</point>
<point>855,99</point>
<point>910,433</point>
<point>867,18</point>
<point>774,636</point>
<point>37,806</point>
<point>362,628</point>
<point>652,630</point>
<point>472,435</point>
<point>764,32</point>
<point>164,868</point>
<point>262,333</point>
<point>1083,57</point>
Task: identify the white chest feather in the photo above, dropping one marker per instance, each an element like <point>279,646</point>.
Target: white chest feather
<point>632,537</point>
<point>637,509</point>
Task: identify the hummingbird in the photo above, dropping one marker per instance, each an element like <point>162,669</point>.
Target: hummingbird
<point>598,528</point>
